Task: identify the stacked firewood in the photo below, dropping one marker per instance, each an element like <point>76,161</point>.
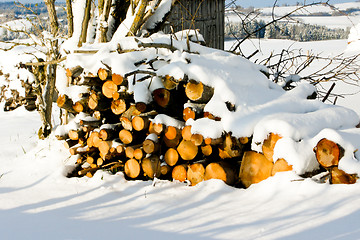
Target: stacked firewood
<point>116,133</point>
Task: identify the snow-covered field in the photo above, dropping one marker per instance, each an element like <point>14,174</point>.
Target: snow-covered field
<point>38,202</point>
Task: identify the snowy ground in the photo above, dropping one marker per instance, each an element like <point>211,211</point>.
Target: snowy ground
<point>38,202</point>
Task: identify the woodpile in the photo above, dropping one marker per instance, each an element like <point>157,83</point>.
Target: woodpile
<point>116,133</point>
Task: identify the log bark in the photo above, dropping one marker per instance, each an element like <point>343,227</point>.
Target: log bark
<point>254,168</point>
<point>328,153</point>
<point>196,173</point>
<point>132,168</point>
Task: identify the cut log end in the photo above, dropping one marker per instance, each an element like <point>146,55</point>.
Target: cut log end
<point>328,153</point>
<point>255,167</point>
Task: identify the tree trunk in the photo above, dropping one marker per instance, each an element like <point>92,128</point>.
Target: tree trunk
<point>54,25</point>
<point>85,23</point>
<point>70,18</point>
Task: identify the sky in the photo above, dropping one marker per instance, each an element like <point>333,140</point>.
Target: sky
<point>244,3</point>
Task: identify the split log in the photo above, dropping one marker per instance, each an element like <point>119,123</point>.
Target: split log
<point>140,123</point>
<point>132,168</point>
<point>126,123</point>
<point>186,133</point>
<point>179,172</point>
<point>156,128</point>
<point>86,170</point>
<point>150,146</point>
<point>99,102</point>
<point>128,137</point>
<point>213,141</point>
<point>187,150</point>
<point>74,72</point>
<point>162,97</point>
<point>281,165</point>
<point>89,81</point>
<point>171,157</point>
<point>76,134</point>
<point>171,143</point>
<point>196,173</point>
<point>197,139</point>
<point>220,170</point>
<point>328,153</point>
<point>104,74</point>
<point>206,150</point>
<point>269,145</point>
<point>118,106</point>
<point>193,111</point>
<point>117,79</point>
<point>70,143</point>
<point>254,168</point>
<point>151,166</point>
<point>169,82</point>
<point>165,170</point>
<point>139,154</point>
<point>104,147</point>
<point>172,133</point>
<point>141,106</point>
<point>81,105</point>
<point>231,147</point>
<point>211,116</point>
<point>109,88</point>
<point>338,176</point>
<point>198,92</point>
<point>108,134</point>
<point>64,102</point>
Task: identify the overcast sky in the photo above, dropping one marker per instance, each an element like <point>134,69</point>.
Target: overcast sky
<point>244,3</point>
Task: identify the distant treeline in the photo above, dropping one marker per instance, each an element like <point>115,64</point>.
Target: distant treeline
<point>284,30</point>
<point>12,7</point>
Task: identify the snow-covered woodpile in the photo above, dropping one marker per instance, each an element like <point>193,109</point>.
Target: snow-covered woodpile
<point>169,108</point>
